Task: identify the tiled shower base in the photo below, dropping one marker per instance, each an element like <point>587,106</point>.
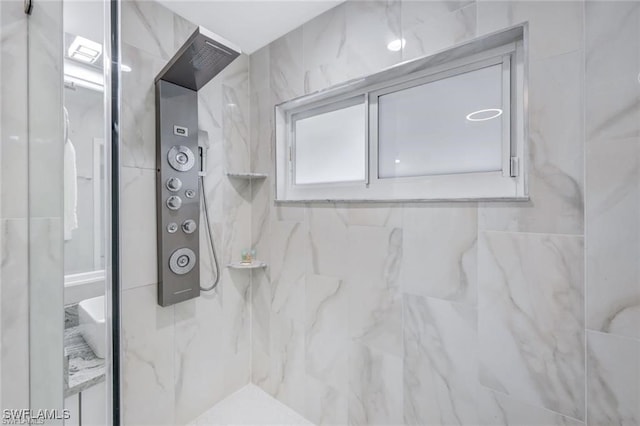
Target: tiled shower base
<point>250,406</point>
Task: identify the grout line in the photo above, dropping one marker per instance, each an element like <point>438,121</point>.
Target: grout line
<point>618,336</point>
<point>522,401</point>
<point>584,212</point>
<point>531,233</point>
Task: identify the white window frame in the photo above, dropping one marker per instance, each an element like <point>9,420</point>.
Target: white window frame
<point>510,183</point>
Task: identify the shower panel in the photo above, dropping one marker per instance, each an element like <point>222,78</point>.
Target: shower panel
<point>201,58</point>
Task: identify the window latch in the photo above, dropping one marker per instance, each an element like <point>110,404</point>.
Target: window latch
<point>515,167</point>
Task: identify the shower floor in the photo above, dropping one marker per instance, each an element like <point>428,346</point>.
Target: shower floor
<point>250,406</point>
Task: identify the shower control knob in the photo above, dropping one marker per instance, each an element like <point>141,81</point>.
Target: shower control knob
<point>174,202</point>
<point>182,261</point>
<point>190,193</point>
<point>189,226</point>
<point>174,184</point>
<point>172,227</point>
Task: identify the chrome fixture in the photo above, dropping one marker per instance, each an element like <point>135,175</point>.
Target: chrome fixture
<point>201,58</point>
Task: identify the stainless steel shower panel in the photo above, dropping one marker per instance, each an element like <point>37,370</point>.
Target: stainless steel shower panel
<point>201,58</point>
<point>177,192</point>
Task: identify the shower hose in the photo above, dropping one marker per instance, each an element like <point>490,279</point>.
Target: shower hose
<point>210,238</point>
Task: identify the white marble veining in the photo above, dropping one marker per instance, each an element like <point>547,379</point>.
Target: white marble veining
<point>371,26</point>
<point>497,409</point>
<point>612,44</point>
<point>555,27</point>
<point>613,232</point>
<point>325,51</point>
<point>148,336</point>
<point>430,26</point>
<point>530,318</point>
<point>138,133</point>
<point>373,288</point>
<point>613,380</point>
<point>402,366</point>
<point>375,387</point>
<point>14,275</point>
<point>327,338</point>
<point>139,238</point>
<point>186,357</point>
<point>328,241</point>
<point>46,313</point>
<point>199,377</point>
<point>445,268</point>
<point>13,111</point>
<point>556,154</point>
<point>613,167</point>
<point>440,362</point>
<point>148,26</point>
<point>286,68</point>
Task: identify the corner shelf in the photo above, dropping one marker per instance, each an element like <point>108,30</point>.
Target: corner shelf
<point>256,264</point>
<point>247,176</point>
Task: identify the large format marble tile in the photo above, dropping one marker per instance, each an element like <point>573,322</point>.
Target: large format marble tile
<point>148,25</point>
<point>286,66</point>
<point>148,336</point>
<point>325,52</point>
<point>613,235</point>
<point>440,362</point>
<point>613,380</point>
<point>326,331</point>
<point>182,29</point>
<point>497,409</point>
<point>236,301</point>
<point>14,310</point>
<point>287,377</point>
<point>46,313</point>
<point>138,224</point>
<point>325,405</point>
<point>328,238</point>
<point>13,111</point>
<point>45,114</point>
<point>235,115</point>
<point>139,107</point>
<point>373,288</point>
<point>530,318</point>
<point>371,26</point>
<point>556,154</point>
<point>555,27</point>
<point>375,387</point>
<point>446,267</point>
<point>612,44</point>
<point>198,355</point>
<point>430,26</point>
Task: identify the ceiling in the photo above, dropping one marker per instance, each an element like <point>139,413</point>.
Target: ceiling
<point>250,24</point>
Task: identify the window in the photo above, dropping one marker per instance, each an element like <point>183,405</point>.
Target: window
<point>330,144</point>
<point>445,127</point>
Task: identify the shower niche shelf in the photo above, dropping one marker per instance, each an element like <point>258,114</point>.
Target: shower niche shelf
<point>247,176</point>
<point>256,264</point>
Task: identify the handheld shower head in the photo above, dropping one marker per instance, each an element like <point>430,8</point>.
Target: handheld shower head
<point>203,147</point>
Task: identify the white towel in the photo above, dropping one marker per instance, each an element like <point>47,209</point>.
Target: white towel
<point>70,190</point>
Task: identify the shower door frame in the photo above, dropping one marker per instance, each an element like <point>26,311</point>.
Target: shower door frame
<point>112,167</point>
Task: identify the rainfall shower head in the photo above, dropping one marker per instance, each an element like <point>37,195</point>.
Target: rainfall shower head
<point>200,59</point>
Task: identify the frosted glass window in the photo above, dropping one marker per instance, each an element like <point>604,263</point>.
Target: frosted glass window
<point>448,126</point>
<point>330,146</point>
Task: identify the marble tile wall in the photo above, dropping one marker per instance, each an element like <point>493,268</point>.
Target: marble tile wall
<point>475,313</point>
<point>30,196</point>
<point>612,116</point>
<point>14,267</point>
<point>180,360</point>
